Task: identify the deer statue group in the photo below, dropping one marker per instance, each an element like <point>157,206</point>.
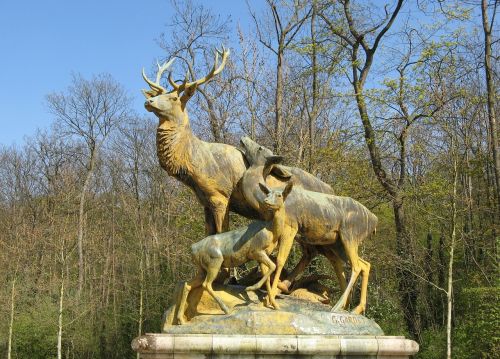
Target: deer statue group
<point>254,183</point>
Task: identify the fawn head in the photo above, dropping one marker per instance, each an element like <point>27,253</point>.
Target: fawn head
<point>275,198</point>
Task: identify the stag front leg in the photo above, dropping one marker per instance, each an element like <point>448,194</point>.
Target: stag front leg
<point>209,221</point>
<point>219,207</point>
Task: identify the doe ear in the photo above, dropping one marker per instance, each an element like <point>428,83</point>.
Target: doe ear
<point>264,188</point>
<point>287,189</point>
<point>269,164</point>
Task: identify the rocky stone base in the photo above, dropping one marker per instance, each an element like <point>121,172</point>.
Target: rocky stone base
<point>249,316</point>
<point>163,346</point>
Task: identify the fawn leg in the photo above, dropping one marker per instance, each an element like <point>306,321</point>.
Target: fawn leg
<point>193,283</point>
<point>212,272</point>
<point>262,258</point>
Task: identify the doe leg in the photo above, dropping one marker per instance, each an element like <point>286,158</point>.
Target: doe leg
<point>284,248</point>
<point>351,250</point>
<point>365,271</point>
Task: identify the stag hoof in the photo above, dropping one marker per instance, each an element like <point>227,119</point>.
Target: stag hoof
<point>181,321</point>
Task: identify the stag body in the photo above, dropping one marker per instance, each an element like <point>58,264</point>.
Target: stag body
<point>211,170</point>
<point>233,248</point>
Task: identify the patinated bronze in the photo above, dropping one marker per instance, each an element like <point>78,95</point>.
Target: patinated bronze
<point>254,182</point>
<point>211,170</point>
<point>259,157</point>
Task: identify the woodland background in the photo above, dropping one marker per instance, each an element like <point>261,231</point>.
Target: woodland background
<point>392,106</point>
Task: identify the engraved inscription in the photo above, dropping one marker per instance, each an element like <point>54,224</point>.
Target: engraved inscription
<point>342,320</point>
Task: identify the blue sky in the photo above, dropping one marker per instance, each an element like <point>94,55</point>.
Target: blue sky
<point>43,42</point>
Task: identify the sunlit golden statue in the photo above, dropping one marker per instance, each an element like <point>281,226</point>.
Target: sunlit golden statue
<point>286,203</point>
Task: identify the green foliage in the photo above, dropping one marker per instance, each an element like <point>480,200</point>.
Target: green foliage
<point>35,331</point>
<point>477,333</point>
<point>433,344</point>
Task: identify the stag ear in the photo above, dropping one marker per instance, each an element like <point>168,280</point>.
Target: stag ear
<point>264,188</point>
<point>287,189</point>
<point>188,93</point>
<point>148,93</point>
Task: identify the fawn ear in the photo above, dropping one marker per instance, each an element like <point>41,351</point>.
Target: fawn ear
<point>287,189</point>
<point>264,188</point>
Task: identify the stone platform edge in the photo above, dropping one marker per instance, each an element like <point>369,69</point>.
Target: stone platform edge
<point>324,345</point>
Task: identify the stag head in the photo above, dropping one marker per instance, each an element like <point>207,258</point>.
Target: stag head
<point>171,105</point>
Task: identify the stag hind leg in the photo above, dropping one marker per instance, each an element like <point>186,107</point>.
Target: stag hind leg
<point>308,253</point>
<point>338,266</point>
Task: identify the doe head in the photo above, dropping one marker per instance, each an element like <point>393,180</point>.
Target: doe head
<point>254,153</point>
<point>275,198</point>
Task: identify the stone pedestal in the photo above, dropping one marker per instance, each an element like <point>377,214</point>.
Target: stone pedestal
<point>300,329</point>
<point>163,346</point>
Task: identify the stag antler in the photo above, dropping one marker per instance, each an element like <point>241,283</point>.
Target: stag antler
<point>216,69</point>
<point>156,88</point>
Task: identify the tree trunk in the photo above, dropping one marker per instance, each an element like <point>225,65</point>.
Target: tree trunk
<point>141,295</point>
<point>408,288</point>
<point>60,319</point>
<point>278,124</point>
<point>81,218</point>
<point>313,112</point>
<point>11,322</point>
<point>449,292</point>
<point>407,283</point>
<point>491,97</point>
